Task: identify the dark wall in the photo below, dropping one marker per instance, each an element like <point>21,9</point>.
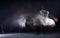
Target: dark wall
<point>9,8</point>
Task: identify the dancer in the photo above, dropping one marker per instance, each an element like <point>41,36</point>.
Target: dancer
<point>44,19</point>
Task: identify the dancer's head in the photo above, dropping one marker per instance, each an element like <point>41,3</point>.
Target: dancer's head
<point>44,13</point>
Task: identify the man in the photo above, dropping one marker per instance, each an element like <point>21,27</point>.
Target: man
<point>42,22</point>
<point>44,19</point>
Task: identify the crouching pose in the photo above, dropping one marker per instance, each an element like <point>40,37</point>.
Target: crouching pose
<point>43,22</point>
<point>44,19</point>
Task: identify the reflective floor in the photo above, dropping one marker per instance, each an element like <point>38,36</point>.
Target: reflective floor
<point>29,35</point>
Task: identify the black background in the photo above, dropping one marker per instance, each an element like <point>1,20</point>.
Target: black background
<point>13,8</point>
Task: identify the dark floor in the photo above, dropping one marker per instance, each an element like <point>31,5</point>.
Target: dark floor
<point>30,29</point>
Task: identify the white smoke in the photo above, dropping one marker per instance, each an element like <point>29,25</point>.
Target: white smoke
<point>38,20</point>
<point>21,21</point>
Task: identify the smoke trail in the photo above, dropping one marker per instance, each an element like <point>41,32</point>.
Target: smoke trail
<point>21,21</point>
